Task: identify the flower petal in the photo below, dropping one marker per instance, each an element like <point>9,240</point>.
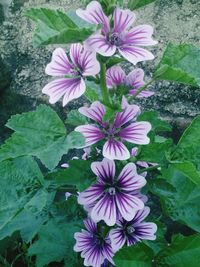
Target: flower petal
<point>101,45</point>
<point>135,78</point>
<point>89,63</point>
<point>76,88</point>
<point>141,215</point>
<point>142,94</point>
<point>91,133</point>
<point>75,53</point>
<point>117,238</point>
<point>123,19</point>
<point>94,14</point>
<point>129,112</point>
<point>93,255</point>
<point>91,194</point>
<point>59,65</point>
<point>135,54</point>
<point>115,76</point>
<point>146,231</point>
<point>136,133</point>
<point>105,169</point>
<point>114,149</point>
<point>105,209</point>
<point>83,240</point>
<point>129,180</point>
<point>71,88</point>
<point>107,250</point>
<point>140,36</point>
<point>95,112</point>
<point>90,225</point>
<point>128,205</point>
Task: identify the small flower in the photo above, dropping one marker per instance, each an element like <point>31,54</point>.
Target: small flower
<point>121,36</point>
<point>94,248</point>
<point>121,130</point>
<point>71,86</point>
<point>133,231</point>
<point>115,76</point>
<point>111,197</point>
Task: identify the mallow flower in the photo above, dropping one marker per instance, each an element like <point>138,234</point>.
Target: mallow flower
<point>70,84</point>
<point>115,76</point>
<point>120,36</point>
<point>133,231</point>
<point>94,248</point>
<point>112,196</point>
<point>123,128</point>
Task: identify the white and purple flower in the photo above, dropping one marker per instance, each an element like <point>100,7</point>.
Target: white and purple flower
<point>133,231</point>
<point>115,76</point>
<point>94,248</point>
<point>121,36</point>
<point>113,197</point>
<point>121,130</point>
<point>71,83</point>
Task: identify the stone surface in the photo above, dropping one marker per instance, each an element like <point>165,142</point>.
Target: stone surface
<point>174,21</point>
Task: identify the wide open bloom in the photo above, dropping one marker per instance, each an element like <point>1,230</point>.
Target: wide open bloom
<point>112,197</point>
<point>133,231</point>
<point>115,76</point>
<point>94,249</point>
<point>122,129</point>
<point>71,83</point>
<point>121,36</point>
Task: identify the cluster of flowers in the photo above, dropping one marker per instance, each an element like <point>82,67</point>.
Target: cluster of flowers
<point>116,208</point>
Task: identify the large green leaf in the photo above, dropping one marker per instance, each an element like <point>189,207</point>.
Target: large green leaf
<point>138,255</point>
<point>22,198</point>
<point>75,118</point>
<point>184,251</point>
<point>179,197</point>
<point>180,63</point>
<point>55,27</point>
<point>188,148</point>
<point>78,174</point>
<point>134,4</point>
<point>55,242</point>
<point>39,133</point>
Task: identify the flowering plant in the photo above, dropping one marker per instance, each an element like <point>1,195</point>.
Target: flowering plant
<point>123,200</point>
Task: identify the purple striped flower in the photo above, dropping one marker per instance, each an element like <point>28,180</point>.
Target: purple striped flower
<point>71,83</point>
<point>112,197</point>
<point>115,76</point>
<point>94,248</point>
<point>133,231</point>
<point>121,130</point>
<point>121,36</point>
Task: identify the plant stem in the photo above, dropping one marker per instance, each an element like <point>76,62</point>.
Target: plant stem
<point>141,89</point>
<point>149,168</point>
<point>104,89</point>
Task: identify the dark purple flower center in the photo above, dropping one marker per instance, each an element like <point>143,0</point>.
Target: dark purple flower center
<point>115,39</point>
<point>130,229</point>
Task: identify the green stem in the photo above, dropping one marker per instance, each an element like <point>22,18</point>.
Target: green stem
<point>141,89</point>
<point>149,168</point>
<point>104,89</point>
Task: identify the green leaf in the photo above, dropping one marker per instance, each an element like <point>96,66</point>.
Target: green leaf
<point>180,64</point>
<point>39,133</point>
<point>158,125</point>
<point>138,255</point>
<point>188,147</point>
<point>93,91</point>
<point>184,251</point>
<point>78,174</point>
<point>155,152</point>
<point>22,198</point>
<point>75,118</point>
<point>134,4</point>
<point>179,197</point>
<point>113,61</point>
<point>55,243</point>
<point>55,27</point>
<point>189,170</point>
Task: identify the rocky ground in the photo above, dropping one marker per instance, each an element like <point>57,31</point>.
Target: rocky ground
<point>174,21</point>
